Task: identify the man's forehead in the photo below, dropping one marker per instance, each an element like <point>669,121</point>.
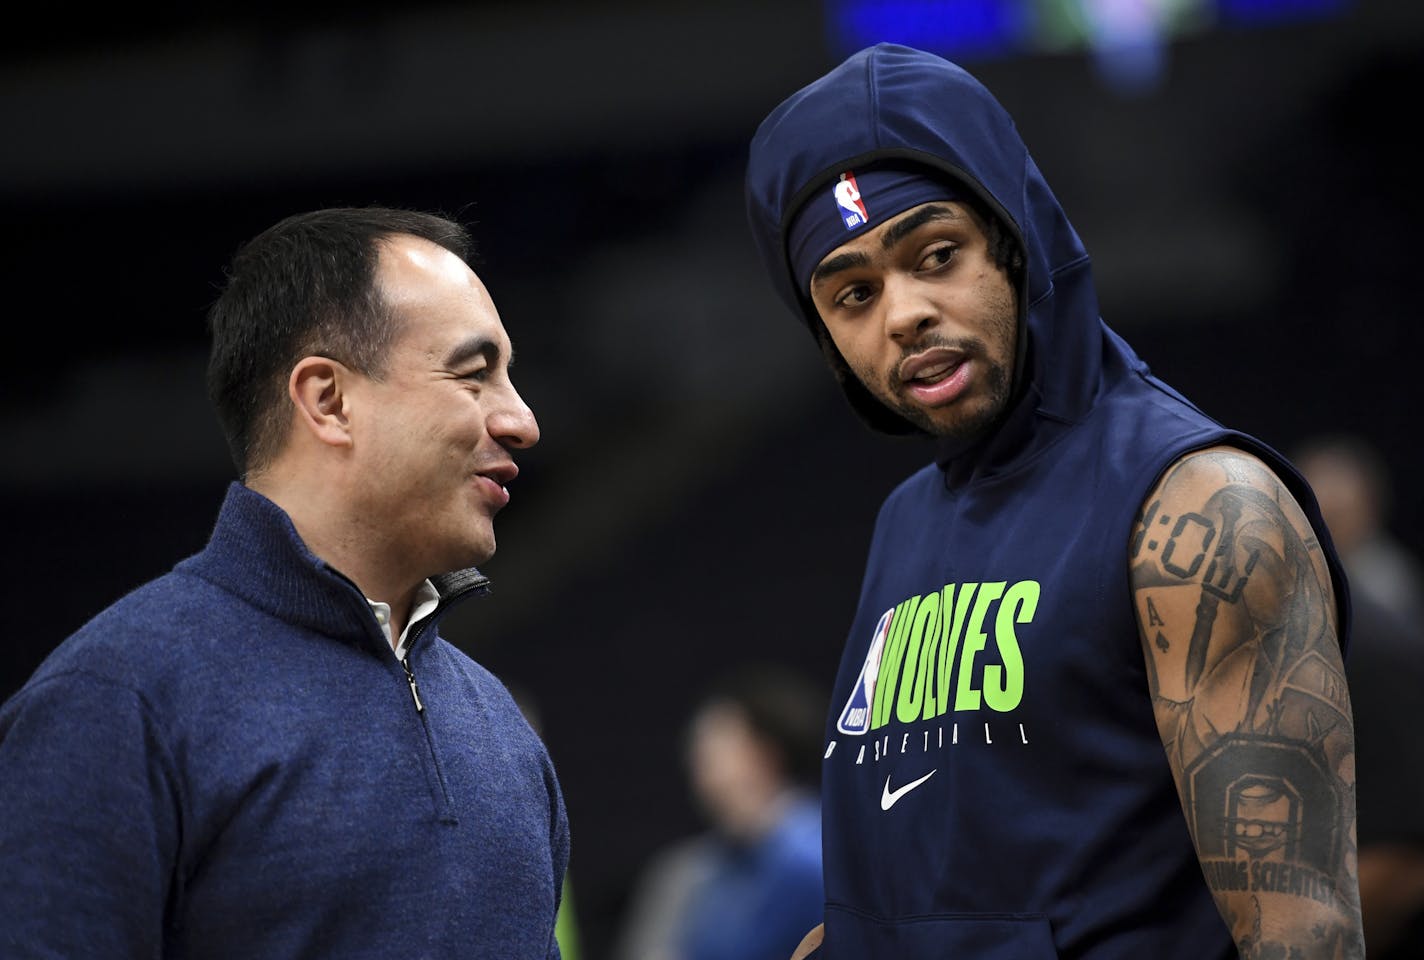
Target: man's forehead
<point>446,313</point>
<point>411,262</point>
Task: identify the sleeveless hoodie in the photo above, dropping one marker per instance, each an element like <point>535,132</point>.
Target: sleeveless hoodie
<point>994,785</point>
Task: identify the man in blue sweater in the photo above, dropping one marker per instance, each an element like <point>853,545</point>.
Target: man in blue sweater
<point>1092,704</point>
<point>270,751</point>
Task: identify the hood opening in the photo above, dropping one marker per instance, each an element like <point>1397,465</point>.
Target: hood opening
<point>871,410</point>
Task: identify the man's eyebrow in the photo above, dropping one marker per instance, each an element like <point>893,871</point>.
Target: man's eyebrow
<point>896,232</point>
<point>834,265</point>
<point>467,350</point>
<point>901,228</point>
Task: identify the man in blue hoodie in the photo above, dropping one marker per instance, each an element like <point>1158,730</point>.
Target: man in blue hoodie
<point>270,751</point>
<point>1092,704</point>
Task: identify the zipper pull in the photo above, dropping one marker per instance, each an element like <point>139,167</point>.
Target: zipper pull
<point>414,689</point>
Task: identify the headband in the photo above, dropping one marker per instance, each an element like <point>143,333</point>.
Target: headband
<point>852,204</point>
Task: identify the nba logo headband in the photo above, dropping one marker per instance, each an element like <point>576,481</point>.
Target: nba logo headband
<point>851,204</point>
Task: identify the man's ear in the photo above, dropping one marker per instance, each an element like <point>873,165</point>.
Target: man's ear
<point>317,390</point>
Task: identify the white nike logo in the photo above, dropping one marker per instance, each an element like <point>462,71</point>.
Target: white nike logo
<point>888,797</point>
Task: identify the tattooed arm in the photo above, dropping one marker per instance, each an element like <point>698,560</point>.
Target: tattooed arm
<point>1238,623</point>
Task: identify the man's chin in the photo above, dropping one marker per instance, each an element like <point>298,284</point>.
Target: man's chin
<point>473,553</point>
<point>950,425</point>
<point>483,555</point>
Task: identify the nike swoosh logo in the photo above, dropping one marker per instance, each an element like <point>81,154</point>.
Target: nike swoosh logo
<point>889,797</point>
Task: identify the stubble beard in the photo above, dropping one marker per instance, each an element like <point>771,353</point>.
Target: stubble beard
<point>964,429</point>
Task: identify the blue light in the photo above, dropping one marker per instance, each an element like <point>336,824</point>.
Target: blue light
<point>985,29</point>
<point>1251,12</point>
<point>949,27</point>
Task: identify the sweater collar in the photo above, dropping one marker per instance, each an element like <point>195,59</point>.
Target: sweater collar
<point>256,553</point>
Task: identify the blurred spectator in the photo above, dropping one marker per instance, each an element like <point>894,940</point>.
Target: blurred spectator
<point>1355,491</point>
<point>750,886</point>
<point>1385,669</point>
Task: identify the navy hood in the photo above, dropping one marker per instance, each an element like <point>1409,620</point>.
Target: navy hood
<point>891,103</point>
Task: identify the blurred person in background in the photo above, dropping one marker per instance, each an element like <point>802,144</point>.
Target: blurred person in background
<point>269,751</point>
<point>749,887</point>
<point>1356,494</point>
<point>1093,702</point>
<point>1386,673</point>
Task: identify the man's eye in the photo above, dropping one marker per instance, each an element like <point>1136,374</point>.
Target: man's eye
<point>480,374</point>
<point>854,296</point>
<point>937,256</point>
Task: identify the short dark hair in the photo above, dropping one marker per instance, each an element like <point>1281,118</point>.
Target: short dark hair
<point>784,710</point>
<point>304,286</point>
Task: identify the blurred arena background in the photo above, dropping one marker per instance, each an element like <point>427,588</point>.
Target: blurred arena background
<point>1242,171</point>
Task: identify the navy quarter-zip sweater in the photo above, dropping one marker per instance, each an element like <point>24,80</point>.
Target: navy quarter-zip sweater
<point>994,784</point>
<point>229,763</point>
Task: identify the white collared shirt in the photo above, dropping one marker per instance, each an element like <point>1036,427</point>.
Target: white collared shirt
<point>427,598</point>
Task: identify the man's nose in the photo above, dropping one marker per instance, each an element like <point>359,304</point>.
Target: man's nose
<point>908,310</point>
<point>513,423</point>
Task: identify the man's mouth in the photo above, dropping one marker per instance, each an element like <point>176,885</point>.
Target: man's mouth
<point>932,365</point>
<point>936,372</point>
<point>495,491</point>
<point>936,376</point>
<point>493,480</point>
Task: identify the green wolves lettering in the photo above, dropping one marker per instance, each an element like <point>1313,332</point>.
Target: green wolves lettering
<point>921,662</point>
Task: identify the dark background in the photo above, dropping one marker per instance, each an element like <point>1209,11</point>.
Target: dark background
<point>702,496</point>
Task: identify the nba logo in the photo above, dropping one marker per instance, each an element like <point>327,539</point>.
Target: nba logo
<point>855,718</point>
<point>848,200</point>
